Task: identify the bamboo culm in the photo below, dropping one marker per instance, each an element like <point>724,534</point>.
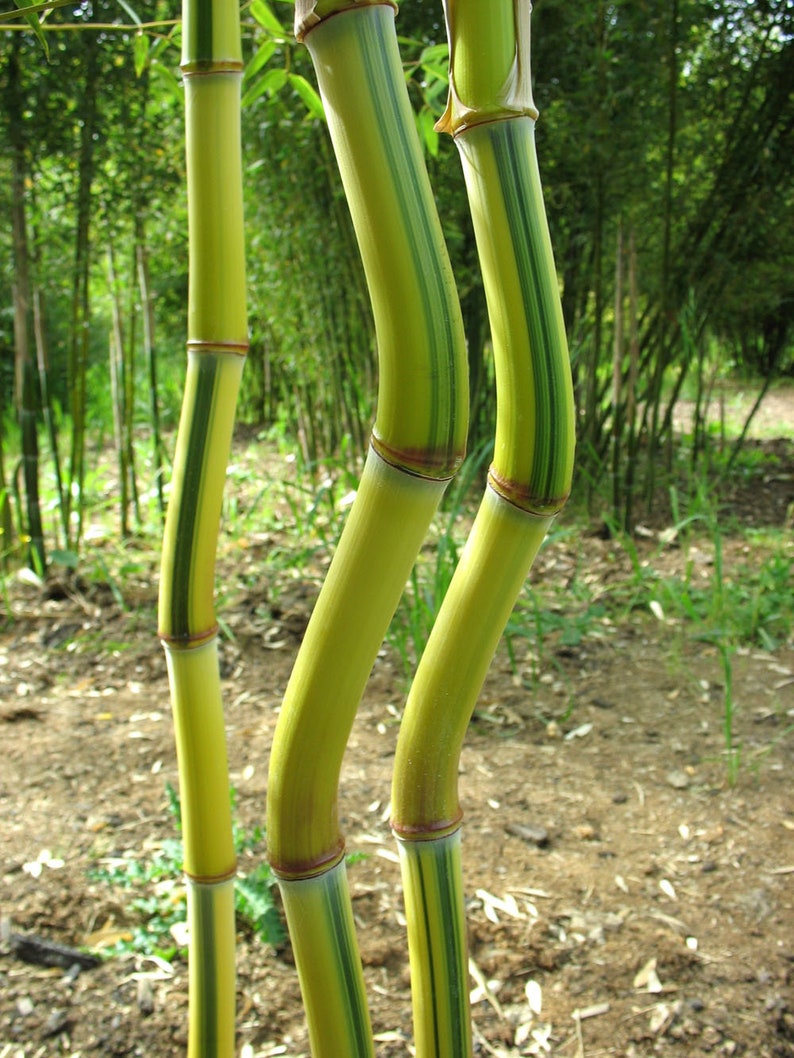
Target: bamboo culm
<point>417,444</point>
<point>491,114</point>
<point>217,342</point>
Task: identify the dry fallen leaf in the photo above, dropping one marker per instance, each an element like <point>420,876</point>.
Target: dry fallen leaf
<point>534,996</point>
<point>667,888</point>
<point>107,935</point>
<point>647,979</point>
<point>492,904</point>
<point>485,989</point>
<point>661,1018</point>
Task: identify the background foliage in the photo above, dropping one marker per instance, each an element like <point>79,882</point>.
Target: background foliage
<point>665,139</point>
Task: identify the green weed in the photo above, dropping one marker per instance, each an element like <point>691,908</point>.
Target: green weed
<point>156,896</point>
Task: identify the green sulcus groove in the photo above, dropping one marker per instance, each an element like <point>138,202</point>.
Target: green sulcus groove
<point>444,382</point>
<point>549,480</point>
<point>321,926</point>
<point>357,1015</point>
<point>206,962</point>
<point>533,456</point>
<point>210,33</point>
<point>187,579</point>
<point>191,495</point>
<point>423,391</point>
<point>424,917</point>
<point>437,943</point>
<point>211,920</point>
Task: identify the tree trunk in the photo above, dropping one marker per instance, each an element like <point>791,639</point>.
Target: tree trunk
<point>118,394</point>
<point>618,419</point>
<point>632,436</point>
<point>6,516</point>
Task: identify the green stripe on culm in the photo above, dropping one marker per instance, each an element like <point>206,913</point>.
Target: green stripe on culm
<point>399,145</point>
<point>348,960</point>
<point>322,930</point>
<point>204,962</point>
<point>511,141</point>
<point>200,38</point>
<point>429,925</point>
<point>431,872</point>
<point>206,369</point>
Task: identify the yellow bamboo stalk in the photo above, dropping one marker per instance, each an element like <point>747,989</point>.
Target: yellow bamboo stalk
<point>491,114</point>
<point>217,342</point>
<point>417,444</point>
<point>378,546</point>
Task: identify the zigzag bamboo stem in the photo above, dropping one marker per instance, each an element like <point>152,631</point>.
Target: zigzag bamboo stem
<point>492,116</point>
<point>417,445</point>
<point>217,342</point>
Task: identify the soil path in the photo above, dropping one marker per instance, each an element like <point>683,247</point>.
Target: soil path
<point>610,866</point>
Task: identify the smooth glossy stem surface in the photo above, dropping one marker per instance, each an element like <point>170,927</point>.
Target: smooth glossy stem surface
<point>211,969</point>
<point>320,920</point>
<point>493,566</point>
<point>378,546</point>
<point>535,429</point>
<point>217,342</point>
<point>434,909</point>
<point>422,414</point>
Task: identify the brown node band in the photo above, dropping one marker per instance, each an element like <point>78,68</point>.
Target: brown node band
<point>296,871</point>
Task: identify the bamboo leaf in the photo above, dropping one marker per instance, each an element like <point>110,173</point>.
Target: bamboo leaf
<point>310,98</point>
<point>259,59</point>
<point>34,9</point>
<point>141,53</point>
<point>435,54</point>
<point>263,13</point>
<point>271,83</point>
<point>126,7</point>
<point>33,21</point>
<point>425,123</point>
<point>168,82</point>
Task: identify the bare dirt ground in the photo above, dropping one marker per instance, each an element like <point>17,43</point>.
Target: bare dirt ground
<point>607,858</point>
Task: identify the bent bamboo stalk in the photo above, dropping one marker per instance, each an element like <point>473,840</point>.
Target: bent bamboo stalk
<point>417,444</point>
<point>491,115</point>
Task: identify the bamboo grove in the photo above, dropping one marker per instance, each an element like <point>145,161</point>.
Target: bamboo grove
<point>673,272</point>
<point>417,444</point>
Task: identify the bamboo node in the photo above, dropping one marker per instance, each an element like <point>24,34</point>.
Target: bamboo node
<point>203,67</point>
<point>438,465</point>
<point>209,347</point>
<point>428,831</point>
<point>294,871</point>
<point>187,640</point>
<point>513,100</point>
<point>309,13</point>
<point>211,879</point>
<point>522,496</point>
